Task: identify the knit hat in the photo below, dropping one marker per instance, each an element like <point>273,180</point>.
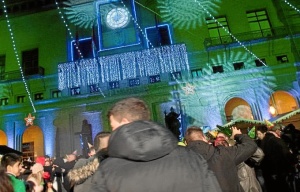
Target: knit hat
<point>37,167</point>
<point>40,160</point>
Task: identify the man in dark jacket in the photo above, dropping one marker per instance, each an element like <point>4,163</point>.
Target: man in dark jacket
<point>222,160</point>
<point>277,163</point>
<point>144,156</point>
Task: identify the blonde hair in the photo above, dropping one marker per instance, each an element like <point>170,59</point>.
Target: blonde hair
<point>36,177</point>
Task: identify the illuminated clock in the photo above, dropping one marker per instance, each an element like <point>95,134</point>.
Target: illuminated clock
<point>117,17</point>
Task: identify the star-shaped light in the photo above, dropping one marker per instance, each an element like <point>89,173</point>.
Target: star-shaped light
<point>189,89</point>
<point>29,119</point>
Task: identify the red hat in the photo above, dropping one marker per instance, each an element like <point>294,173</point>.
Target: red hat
<point>40,160</point>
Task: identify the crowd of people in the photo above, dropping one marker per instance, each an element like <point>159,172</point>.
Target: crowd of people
<point>142,155</point>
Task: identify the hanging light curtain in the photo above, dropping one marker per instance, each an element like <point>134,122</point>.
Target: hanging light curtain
<point>166,59</point>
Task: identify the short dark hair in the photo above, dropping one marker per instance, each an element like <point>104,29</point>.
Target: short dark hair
<point>262,129</point>
<point>133,109</point>
<point>193,133</point>
<point>10,159</point>
<point>98,138</point>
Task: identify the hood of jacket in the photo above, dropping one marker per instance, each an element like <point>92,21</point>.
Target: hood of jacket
<point>83,169</point>
<point>141,141</point>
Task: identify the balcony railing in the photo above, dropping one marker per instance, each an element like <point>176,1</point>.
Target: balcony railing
<point>16,75</point>
<point>272,33</point>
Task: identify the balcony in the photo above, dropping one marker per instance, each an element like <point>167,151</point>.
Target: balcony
<point>255,36</point>
<point>28,72</point>
<point>123,66</point>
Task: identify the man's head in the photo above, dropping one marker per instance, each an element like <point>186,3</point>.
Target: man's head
<point>261,132</point>
<point>12,163</point>
<point>221,141</point>
<point>194,133</point>
<point>220,134</point>
<point>127,111</point>
<point>101,140</point>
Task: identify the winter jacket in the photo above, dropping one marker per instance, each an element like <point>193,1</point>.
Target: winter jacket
<point>246,172</point>
<point>277,164</point>
<point>278,159</point>
<point>18,185</point>
<point>145,157</point>
<point>80,175</point>
<point>224,160</point>
<point>248,178</point>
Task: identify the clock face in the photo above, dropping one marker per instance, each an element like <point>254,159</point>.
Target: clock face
<point>117,18</point>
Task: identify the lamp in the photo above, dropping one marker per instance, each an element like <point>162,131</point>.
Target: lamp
<point>272,110</point>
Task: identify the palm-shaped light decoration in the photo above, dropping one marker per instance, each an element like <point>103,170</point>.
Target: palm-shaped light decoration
<point>82,15</point>
<point>210,90</point>
<point>186,14</point>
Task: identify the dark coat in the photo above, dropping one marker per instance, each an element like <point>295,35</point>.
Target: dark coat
<point>277,163</point>
<point>80,176</point>
<point>145,157</point>
<point>278,159</point>
<point>224,160</point>
<point>62,175</point>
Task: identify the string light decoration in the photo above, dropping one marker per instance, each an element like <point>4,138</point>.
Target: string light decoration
<point>17,55</point>
<point>165,59</point>
<point>68,29</point>
<point>86,70</point>
<point>163,62</point>
<point>228,32</point>
<point>73,74</point>
<point>184,14</point>
<point>137,25</point>
<point>292,6</point>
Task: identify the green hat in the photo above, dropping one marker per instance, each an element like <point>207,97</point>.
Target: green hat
<point>251,133</point>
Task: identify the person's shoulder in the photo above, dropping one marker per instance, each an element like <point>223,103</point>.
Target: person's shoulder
<point>18,184</point>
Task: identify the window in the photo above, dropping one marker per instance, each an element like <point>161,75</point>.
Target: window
<point>2,67</point>
<point>158,35</point>
<point>38,96</point>
<point>30,62</point>
<point>56,94</point>
<point>282,59</point>
<point>238,66</point>
<point>154,78</point>
<point>114,85</point>
<point>218,69</point>
<point>259,23</point>
<point>259,63</point>
<point>176,76</point>
<point>196,73</point>
<point>94,88</point>
<point>84,47</point>
<point>216,31</point>
<point>4,101</point>
<point>134,82</point>
<point>21,99</point>
<point>75,91</point>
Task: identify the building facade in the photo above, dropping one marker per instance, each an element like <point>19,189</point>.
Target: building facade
<point>210,61</point>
